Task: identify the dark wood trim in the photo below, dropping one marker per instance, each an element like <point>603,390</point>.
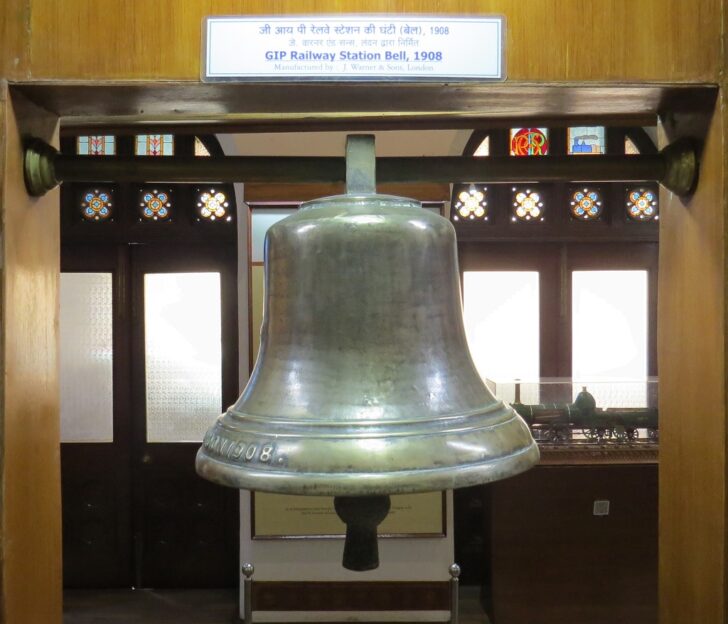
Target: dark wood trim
<point>351,596</point>
<point>71,127</point>
<point>568,455</point>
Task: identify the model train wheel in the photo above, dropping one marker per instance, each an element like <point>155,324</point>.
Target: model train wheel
<point>563,434</point>
<point>590,434</point>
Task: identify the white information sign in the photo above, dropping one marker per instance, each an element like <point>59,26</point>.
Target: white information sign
<point>353,47</point>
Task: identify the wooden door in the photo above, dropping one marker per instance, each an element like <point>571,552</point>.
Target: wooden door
<point>135,512</point>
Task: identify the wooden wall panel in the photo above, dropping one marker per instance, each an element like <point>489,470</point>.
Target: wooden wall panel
<point>14,37</point>
<point>547,40</point>
<point>30,517</point>
<point>692,364</point>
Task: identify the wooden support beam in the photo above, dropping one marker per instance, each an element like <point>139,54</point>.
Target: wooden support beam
<point>30,486</point>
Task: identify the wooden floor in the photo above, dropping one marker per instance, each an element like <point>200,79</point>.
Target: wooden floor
<point>200,606</point>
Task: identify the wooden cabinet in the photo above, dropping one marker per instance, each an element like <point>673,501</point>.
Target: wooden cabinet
<point>554,560</point>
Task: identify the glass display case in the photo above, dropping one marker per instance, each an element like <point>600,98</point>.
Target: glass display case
<point>575,413</point>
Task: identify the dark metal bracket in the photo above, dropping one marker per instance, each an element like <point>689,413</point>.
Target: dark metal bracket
<point>675,168</point>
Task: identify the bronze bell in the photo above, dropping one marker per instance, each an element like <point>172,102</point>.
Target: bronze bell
<point>364,385</point>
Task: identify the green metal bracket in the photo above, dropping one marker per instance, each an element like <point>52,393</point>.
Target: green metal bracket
<point>39,167</point>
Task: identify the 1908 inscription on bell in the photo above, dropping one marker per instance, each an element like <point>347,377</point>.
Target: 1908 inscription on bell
<point>364,384</point>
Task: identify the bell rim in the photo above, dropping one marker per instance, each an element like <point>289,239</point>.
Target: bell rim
<point>368,483</point>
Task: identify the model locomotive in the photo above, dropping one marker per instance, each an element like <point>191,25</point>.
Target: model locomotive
<point>560,423</point>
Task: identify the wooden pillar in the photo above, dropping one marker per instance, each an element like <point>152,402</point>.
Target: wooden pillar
<point>692,311</point>
<point>30,501</point>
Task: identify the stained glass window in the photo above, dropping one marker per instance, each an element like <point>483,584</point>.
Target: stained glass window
<point>584,140</point>
<point>642,204</point>
<point>96,145</point>
<point>484,148</point>
<point>213,205</point>
<point>470,202</point>
<point>529,141</point>
<point>629,146</point>
<point>155,204</point>
<point>527,204</point>
<point>154,145</point>
<point>96,204</point>
<point>200,149</point>
<point>585,203</point>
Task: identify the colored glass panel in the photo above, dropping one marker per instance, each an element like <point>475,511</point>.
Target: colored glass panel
<point>470,202</point>
<point>154,145</point>
<point>155,204</point>
<point>586,204</point>
<point>586,140</point>
<point>96,204</point>
<point>528,205</point>
<point>96,145</point>
<point>642,204</point>
<point>212,204</point>
<point>529,141</point>
<point>200,149</point>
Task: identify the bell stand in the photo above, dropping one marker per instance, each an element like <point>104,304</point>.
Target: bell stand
<point>248,569</point>
<point>675,168</point>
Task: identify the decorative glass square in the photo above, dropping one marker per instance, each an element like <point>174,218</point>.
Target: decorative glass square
<point>213,205</point>
<point>529,141</point>
<point>528,204</point>
<point>469,202</point>
<point>96,145</point>
<point>642,204</point>
<point>585,140</point>
<point>154,145</point>
<point>200,149</point>
<point>155,204</point>
<point>586,203</point>
<point>96,204</point>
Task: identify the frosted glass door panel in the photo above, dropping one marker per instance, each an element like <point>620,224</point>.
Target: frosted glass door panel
<point>182,329</point>
<point>86,357</point>
<point>501,312</point>
<point>609,336</point>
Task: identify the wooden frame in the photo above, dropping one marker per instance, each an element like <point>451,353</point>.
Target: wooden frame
<point>692,285</point>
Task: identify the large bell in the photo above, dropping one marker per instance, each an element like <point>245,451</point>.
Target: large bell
<point>364,385</point>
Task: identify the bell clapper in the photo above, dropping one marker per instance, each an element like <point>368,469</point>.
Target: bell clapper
<point>362,515</point>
